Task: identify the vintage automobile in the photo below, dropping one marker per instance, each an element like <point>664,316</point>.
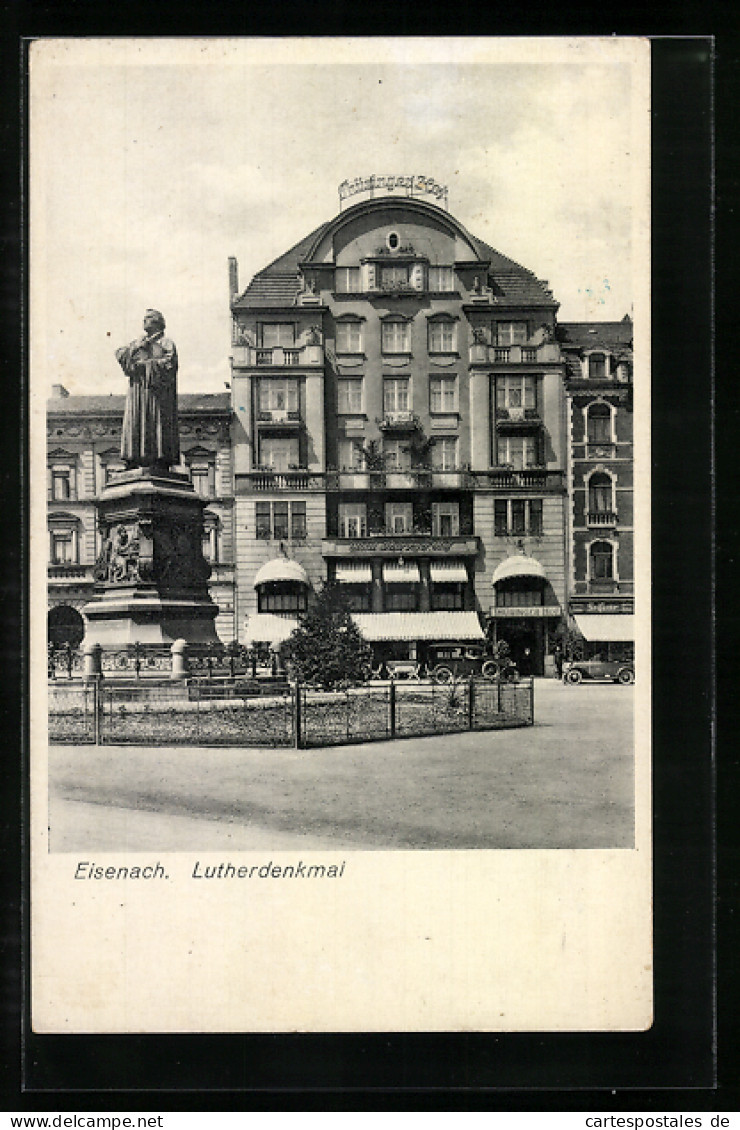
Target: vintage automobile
<point>446,662</point>
<point>611,670</point>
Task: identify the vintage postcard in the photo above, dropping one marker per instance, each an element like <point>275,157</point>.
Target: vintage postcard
<point>340,437</point>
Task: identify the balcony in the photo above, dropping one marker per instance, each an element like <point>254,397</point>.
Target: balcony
<point>396,545</point>
<point>400,422</point>
<point>70,572</point>
<point>279,357</point>
<point>531,478</point>
<point>278,418</point>
<point>483,354</point>
<point>601,518</point>
<point>416,479</point>
<point>269,480</point>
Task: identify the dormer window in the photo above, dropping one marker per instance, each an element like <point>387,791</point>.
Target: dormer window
<point>511,333</point>
<point>441,279</point>
<point>596,366</point>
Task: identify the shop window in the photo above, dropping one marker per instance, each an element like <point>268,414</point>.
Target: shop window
<point>445,519</point>
<point>518,592</point>
<point>276,334</point>
<point>282,596</point>
<point>447,598</point>
<point>349,396</point>
<point>395,336</point>
<point>517,517</point>
<point>511,333</point>
<point>442,394</point>
<point>401,598</point>
<point>441,336</point>
<point>358,598</point>
<point>599,423</point>
<point>352,520</point>
<point>601,556</point>
<point>347,280</point>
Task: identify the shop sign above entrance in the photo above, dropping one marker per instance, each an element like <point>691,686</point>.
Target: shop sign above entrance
<point>385,185</point>
<point>525,611</point>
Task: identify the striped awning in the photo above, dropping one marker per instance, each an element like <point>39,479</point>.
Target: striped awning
<point>606,629</point>
<point>448,572</point>
<point>518,567</point>
<point>377,626</point>
<point>281,569</point>
<point>395,573</point>
<point>354,572</point>
<point>263,627</point>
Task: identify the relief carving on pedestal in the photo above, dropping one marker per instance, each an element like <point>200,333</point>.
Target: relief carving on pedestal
<point>118,563</point>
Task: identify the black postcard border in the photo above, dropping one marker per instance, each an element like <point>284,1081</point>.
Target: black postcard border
<point>515,1071</point>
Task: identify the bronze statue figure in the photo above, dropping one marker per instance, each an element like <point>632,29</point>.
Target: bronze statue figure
<point>150,435</point>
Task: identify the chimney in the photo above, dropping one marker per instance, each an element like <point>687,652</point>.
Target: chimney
<point>233,277</point>
<point>59,392</point>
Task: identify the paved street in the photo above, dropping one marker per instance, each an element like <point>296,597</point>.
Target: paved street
<point>566,782</point>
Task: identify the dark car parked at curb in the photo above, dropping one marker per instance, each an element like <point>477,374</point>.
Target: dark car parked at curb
<point>447,662</point>
<point>611,670</point>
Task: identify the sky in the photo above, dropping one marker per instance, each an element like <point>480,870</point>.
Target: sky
<point>153,161</point>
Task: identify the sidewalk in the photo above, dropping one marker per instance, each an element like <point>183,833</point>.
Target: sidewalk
<point>566,782</point>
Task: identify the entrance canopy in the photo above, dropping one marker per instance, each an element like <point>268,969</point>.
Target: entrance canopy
<point>606,629</point>
<point>266,628</point>
<point>518,567</point>
<point>377,626</point>
<point>280,569</point>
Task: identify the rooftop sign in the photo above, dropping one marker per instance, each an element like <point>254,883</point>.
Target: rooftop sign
<point>414,185</point>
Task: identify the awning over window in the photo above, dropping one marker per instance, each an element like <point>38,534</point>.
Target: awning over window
<point>263,627</point>
<point>401,574</point>
<point>280,569</point>
<point>448,572</point>
<point>376,626</point>
<point>518,567</point>
<point>606,629</point>
<point>354,572</point>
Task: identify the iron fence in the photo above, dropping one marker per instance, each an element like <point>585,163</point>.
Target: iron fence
<point>274,713</point>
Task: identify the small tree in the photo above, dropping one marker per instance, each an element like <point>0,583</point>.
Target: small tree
<point>328,647</point>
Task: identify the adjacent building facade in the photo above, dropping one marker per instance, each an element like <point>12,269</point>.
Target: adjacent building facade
<point>83,451</point>
<point>407,419</point>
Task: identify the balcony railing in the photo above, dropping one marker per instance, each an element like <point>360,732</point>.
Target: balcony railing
<point>518,416</point>
<point>278,356</point>
<point>400,422</point>
<point>70,572</point>
<point>281,480</point>
<point>483,354</point>
<point>602,518</point>
<point>537,478</point>
<point>399,479</point>
<point>279,416</point>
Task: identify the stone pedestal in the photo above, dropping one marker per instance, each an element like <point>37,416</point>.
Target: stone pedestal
<point>151,576</point>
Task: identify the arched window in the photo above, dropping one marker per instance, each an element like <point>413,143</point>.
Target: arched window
<point>600,494</point>
<point>601,554</point>
<point>599,423</point>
